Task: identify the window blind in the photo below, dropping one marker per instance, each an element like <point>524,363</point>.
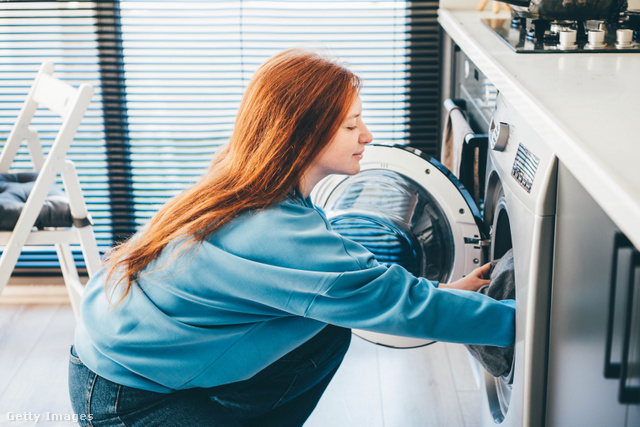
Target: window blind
<point>424,122</point>
<point>187,64</point>
<point>169,77</point>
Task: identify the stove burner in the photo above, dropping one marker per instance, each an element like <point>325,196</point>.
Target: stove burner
<point>526,35</point>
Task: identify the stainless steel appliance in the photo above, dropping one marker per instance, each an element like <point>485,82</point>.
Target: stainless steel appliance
<point>567,26</point>
<point>518,210</point>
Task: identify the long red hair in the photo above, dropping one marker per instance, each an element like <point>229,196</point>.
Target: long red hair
<point>292,108</point>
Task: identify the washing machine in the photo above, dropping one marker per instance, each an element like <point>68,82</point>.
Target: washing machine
<point>408,209</point>
<point>519,212</point>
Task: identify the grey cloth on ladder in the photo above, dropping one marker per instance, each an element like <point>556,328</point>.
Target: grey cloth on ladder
<point>498,361</point>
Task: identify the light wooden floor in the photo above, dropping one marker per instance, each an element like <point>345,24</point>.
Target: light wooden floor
<point>375,386</point>
<point>432,386</point>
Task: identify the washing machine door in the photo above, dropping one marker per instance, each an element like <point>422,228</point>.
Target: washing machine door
<point>408,209</point>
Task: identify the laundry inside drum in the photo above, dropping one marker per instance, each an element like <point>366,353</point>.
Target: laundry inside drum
<point>396,219</point>
<point>498,362</point>
<point>391,243</point>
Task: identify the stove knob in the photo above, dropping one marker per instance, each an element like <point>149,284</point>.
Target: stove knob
<point>567,39</point>
<point>624,38</point>
<point>596,39</point>
<point>498,135</point>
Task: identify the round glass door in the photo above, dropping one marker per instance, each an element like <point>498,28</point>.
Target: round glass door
<point>406,209</point>
<point>396,219</point>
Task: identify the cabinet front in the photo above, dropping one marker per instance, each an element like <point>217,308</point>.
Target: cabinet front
<point>593,349</point>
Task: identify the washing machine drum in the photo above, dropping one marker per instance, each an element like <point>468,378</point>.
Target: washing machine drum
<point>407,209</point>
<point>397,220</point>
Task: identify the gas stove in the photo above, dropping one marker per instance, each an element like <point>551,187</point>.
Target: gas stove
<point>530,35</point>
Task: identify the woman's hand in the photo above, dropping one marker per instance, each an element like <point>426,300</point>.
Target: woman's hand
<point>472,282</point>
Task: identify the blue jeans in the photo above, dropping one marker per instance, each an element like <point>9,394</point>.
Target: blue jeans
<point>283,394</point>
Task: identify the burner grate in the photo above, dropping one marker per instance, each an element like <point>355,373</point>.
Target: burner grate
<point>525,35</point>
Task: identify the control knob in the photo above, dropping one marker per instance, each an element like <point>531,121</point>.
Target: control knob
<point>567,39</point>
<point>624,38</point>
<point>498,135</point>
<point>596,39</point>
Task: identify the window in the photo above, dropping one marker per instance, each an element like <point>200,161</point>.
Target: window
<point>169,77</point>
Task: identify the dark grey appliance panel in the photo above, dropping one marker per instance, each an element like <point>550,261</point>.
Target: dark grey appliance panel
<point>578,390</point>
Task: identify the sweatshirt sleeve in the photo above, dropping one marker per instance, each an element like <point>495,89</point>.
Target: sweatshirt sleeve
<point>338,281</point>
<point>392,301</point>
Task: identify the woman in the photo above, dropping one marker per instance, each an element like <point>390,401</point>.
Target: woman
<point>234,305</point>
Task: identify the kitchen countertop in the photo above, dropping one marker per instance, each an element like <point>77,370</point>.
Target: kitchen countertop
<point>586,106</point>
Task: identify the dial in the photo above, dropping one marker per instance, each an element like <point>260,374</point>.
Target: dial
<point>498,135</point>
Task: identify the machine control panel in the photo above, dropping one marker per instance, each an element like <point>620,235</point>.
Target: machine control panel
<point>524,167</point>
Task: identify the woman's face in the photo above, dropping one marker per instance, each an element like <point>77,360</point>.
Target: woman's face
<point>344,152</point>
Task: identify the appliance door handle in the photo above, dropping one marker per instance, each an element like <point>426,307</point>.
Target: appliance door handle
<point>612,370</point>
<point>451,103</point>
<point>476,140</point>
<point>472,139</point>
<point>626,393</point>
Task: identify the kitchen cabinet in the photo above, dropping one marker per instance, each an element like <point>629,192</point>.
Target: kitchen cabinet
<point>586,239</point>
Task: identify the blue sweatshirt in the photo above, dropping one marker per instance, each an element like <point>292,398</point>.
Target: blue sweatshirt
<point>256,289</point>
